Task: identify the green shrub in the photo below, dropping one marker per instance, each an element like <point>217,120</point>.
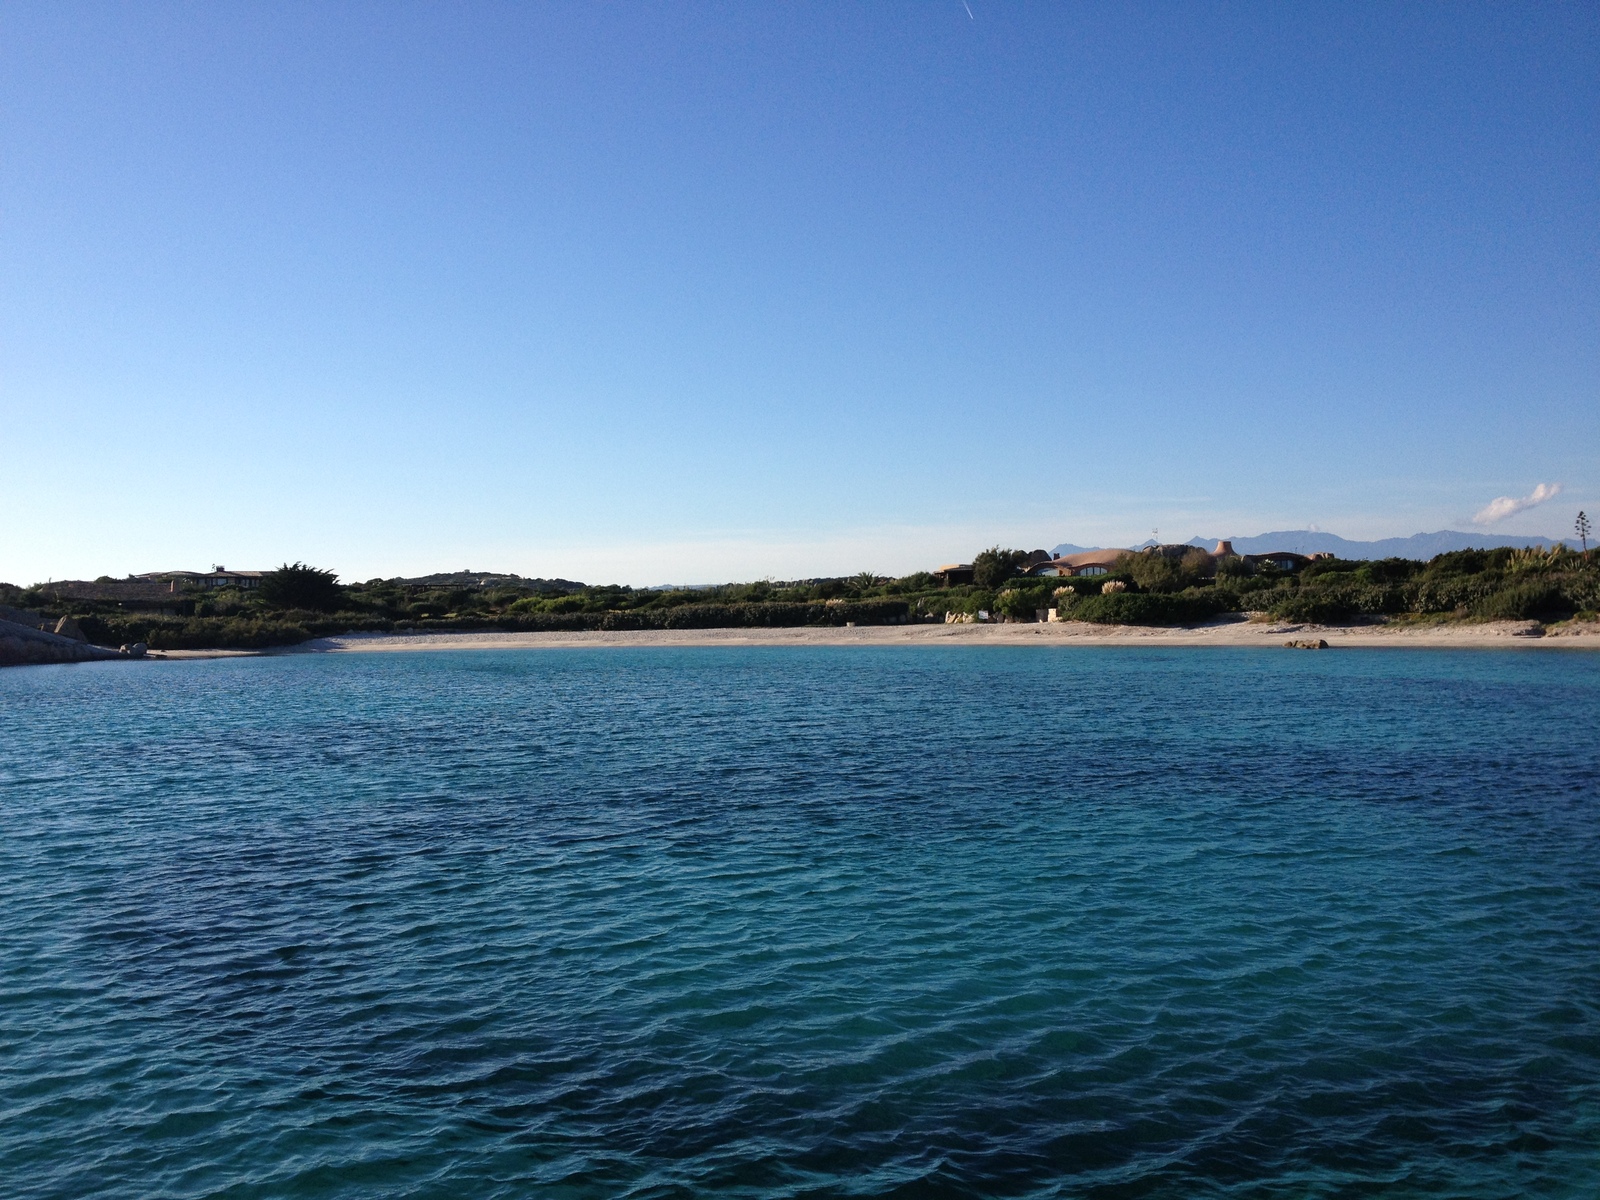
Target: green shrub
<point>1315,606</point>
<point>1581,591</point>
<point>1523,601</point>
<point>1387,570</point>
<point>1158,573</point>
<point>1449,593</point>
<point>231,633</point>
<point>1148,608</point>
<point>1467,562</point>
<point>1020,604</point>
<point>1333,593</point>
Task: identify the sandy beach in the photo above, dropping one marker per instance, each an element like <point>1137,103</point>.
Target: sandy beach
<point>1497,634</point>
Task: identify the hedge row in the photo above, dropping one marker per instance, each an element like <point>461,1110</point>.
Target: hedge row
<point>1490,599</point>
<point>194,633</point>
<point>219,633</point>
<point>1148,608</point>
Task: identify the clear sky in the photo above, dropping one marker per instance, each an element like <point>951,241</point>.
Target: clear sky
<point>691,292</point>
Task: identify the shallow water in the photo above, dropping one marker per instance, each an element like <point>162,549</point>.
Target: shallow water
<point>767,922</point>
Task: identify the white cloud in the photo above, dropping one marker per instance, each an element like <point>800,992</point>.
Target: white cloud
<point>1502,507</point>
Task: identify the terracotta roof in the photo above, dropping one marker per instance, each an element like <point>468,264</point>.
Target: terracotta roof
<point>1090,558</point>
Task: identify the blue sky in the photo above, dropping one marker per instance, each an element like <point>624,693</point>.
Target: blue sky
<point>648,293</point>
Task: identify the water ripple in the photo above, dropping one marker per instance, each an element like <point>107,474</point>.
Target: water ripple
<point>810,923</point>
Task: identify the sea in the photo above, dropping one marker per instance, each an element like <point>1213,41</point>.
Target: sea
<point>803,922</point>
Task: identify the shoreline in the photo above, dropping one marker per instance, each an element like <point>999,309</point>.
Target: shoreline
<point>1488,635</point>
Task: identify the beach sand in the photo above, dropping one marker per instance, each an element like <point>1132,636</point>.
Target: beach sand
<point>1502,634</point>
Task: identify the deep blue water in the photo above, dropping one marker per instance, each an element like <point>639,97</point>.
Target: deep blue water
<point>809,922</point>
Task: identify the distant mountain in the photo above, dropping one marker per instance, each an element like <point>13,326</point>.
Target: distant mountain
<point>1421,546</point>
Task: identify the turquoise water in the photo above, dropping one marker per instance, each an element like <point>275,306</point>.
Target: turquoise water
<point>803,922</point>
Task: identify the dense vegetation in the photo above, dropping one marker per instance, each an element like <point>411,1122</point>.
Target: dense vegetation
<point>1468,584</point>
<point>299,602</point>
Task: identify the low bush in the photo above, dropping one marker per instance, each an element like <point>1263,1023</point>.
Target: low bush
<point>1522,602</point>
<point>1020,604</point>
<point>1447,593</point>
<point>231,633</point>
<point>1349,596</point>
<point>1146,608</point>
<point>1316,607</point>
<point>219,633</point>
<point>1581,592</point>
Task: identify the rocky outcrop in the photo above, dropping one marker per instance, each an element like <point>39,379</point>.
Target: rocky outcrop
<point>68,628</point>
<point>22,644</point>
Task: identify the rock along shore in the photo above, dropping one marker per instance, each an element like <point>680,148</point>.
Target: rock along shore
<point>21,645</point>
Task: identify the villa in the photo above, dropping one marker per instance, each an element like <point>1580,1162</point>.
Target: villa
<point>952,574</point>
<point>1087,562</point>
<point>217,577</point>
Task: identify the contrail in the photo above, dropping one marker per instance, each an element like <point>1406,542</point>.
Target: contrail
<point>968,7</point>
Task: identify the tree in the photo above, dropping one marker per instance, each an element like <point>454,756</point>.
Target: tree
<point>300,586</point>
<point>994,566</point>
<point>865,581</point>
<point>1156,572</point>
<point>1020,604</point>
<point>1581,528</point>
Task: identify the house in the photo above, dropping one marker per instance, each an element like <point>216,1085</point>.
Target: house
<point>1284,560</point>
<point>952,574</point>
<point>220,577</point>
<point>1085,562</point>
<point>217,577</point>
